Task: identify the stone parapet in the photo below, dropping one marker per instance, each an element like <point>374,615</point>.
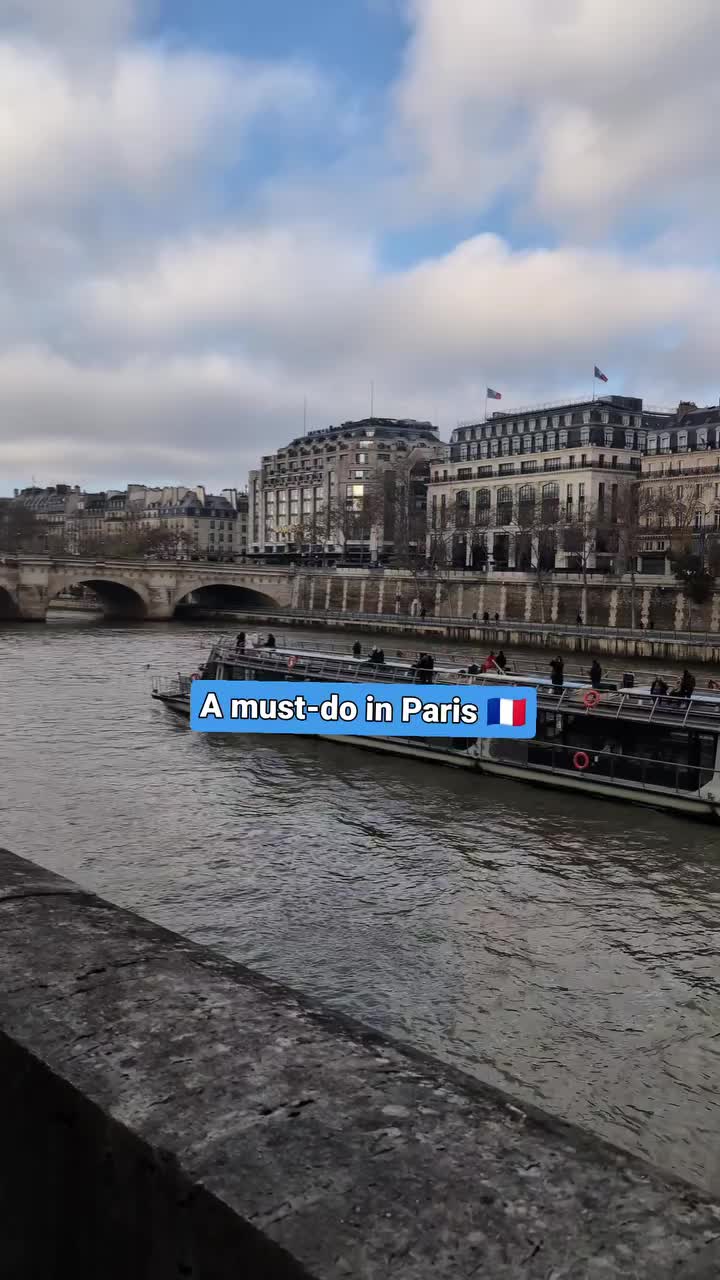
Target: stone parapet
<point>167,1113</point>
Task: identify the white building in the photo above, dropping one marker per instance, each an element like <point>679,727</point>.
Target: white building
<point>547,481</point>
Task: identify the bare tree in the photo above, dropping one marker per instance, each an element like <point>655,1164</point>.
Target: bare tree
<point>580,538</point>
<point>635,514</point>
<point>538,523</point>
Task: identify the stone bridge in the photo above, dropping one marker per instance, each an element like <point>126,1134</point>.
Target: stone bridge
<point>146,590</point>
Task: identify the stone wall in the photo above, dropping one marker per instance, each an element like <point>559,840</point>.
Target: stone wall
<point>516,597</point>
<point>166,1113</point>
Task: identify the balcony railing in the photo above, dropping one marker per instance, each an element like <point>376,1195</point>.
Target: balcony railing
<point>532,467</point>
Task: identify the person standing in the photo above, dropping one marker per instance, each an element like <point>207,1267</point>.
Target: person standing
<point>687,684</point>
<point>357,649</point>
<point>501,661</point>
<point>557,669</point>
<point>595,674</point>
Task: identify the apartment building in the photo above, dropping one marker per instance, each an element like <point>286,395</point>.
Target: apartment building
<point>206,525</point>
<point>679,491</point>
<point>540,484</point>
<point>357,490</point>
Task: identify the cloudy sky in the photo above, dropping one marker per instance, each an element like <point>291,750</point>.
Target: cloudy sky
<point>211,210</point>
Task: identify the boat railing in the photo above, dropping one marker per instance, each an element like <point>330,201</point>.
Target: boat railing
<point>172,686</point>
<point>677,712</point>
<point>459,658</point>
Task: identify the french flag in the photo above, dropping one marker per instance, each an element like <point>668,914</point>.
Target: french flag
<point>506,711</point>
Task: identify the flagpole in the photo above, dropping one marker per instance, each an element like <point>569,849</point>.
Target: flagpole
<point>593,387</point>
<point>485,414</point>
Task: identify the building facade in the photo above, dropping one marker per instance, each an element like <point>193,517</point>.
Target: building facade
<point>542,487</point>
<point>175,521</point>
<point>357,490</point>
<point>679,499</point>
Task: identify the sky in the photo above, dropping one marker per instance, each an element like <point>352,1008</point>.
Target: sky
<point>214,212</point>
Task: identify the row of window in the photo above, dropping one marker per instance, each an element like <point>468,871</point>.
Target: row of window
<point>670,441</point>
<point>499,429</point>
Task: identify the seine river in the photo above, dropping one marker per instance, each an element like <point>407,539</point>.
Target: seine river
<point>567,952</point>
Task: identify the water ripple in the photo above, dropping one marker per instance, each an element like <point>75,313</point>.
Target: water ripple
<point>568,952</point>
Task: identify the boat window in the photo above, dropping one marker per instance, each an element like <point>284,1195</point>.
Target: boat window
<point>634,752</point>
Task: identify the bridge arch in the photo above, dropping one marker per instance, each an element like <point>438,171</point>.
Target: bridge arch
<point>211,594</point>
<point>119,598</point>
<point>8,605</point>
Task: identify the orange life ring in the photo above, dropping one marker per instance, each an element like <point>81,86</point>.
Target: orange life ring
<point>581,760</point>
<point>292,661</point>
<point>591,698</point>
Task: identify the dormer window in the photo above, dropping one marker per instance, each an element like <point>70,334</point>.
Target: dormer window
<point>665,442</point>
<point>682,440</point>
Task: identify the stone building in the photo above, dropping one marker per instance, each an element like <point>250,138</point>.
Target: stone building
<point>207,525</point>
<point>544,485</point>
<point>357,490</point>
<point>680,486</point>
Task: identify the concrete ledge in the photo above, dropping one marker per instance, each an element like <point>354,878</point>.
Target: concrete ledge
<point>168,1113</point>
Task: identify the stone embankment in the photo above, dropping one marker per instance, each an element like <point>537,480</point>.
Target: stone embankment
<point>168,1113</point>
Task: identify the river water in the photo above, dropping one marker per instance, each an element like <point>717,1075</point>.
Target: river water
<point>567,952</point>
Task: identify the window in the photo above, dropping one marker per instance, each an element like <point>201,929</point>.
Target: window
<point>361,458</point>
<point>504,505</point>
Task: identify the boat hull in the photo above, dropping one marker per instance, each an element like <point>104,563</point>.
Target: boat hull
<point>688,805</point>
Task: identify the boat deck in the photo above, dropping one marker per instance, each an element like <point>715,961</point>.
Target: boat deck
<point>700,712</point>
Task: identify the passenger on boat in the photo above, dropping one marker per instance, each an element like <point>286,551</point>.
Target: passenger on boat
<point>357,649</point>
<point>474,617</point>
<point>473,669</point>
<point>423,612</point>
<point>578,620</point>
<point>240,642</point>
<point>658,688</point>
<point>712,684</point>
<point>557,668</point>
<point>595,674</point>
<point>497,617</point>
<point>501,661</point>
<point>427,669</point>
<point>486,616</point>
<point>377,657</point>
<point>489,663</point>
<point>270,642</point>
<point>687,685</point>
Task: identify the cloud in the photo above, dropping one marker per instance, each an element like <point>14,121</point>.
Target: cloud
<point>88,21</point>
<point>136,122</point>
<point>203,357</point>
<point>590,108</point>
<point>165,308</point>
<point>309,295</point>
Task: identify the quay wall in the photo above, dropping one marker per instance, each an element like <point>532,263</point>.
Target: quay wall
<point>168,1113</point>
<point>516,597</point>
<point>629,647</point>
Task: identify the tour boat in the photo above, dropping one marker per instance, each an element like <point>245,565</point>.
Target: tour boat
<point>615,743</point>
